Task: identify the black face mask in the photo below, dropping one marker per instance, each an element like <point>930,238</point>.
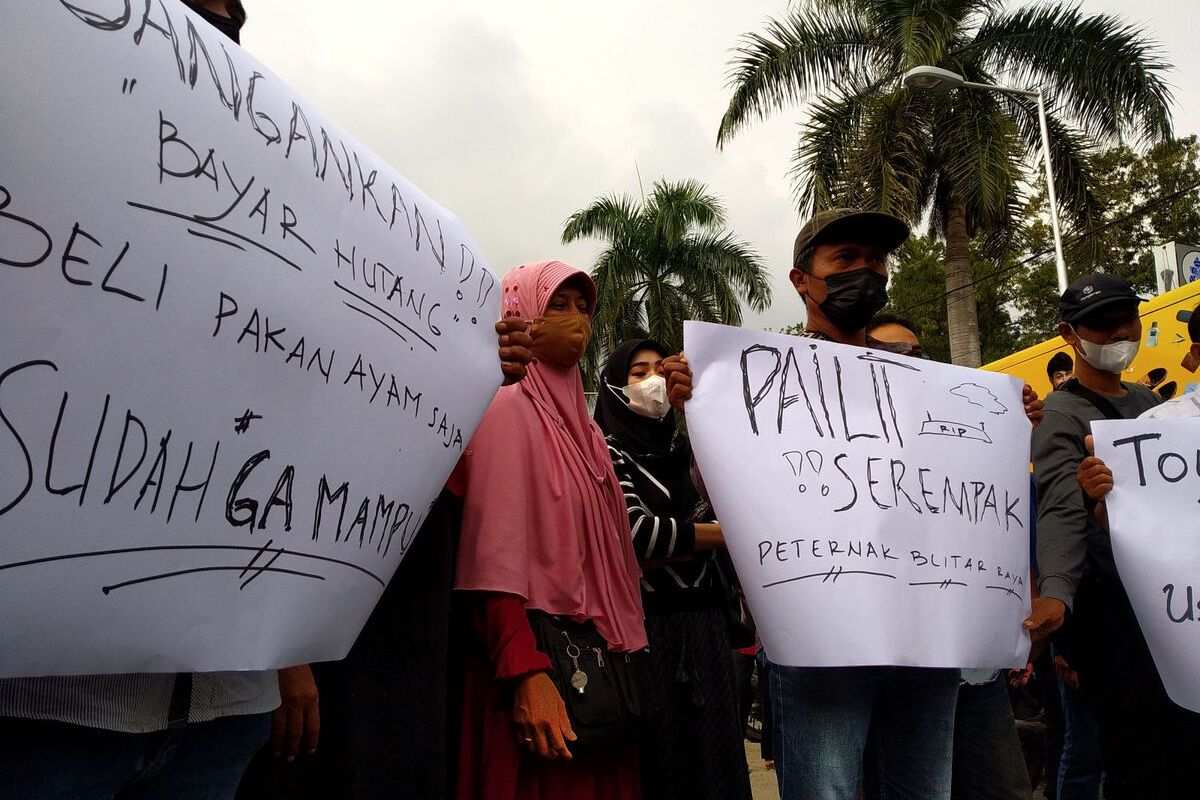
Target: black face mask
<point>225,25</point>
<point>852,298</point>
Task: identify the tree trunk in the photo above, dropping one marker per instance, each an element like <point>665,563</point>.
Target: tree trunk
<point>961,313</point>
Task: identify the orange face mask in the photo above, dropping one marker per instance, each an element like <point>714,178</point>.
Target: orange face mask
<point>561,340</point>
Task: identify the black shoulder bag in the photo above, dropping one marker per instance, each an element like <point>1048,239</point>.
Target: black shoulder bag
<point>1098,401</point>
<point>1101,404</point>
<point>607,695</point>
<point>742,631</point>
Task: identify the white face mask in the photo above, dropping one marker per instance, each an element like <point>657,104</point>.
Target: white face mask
<point>649,397</point>
<point>1115,357</point>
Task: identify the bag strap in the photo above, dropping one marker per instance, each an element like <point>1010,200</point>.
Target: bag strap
<point>723,565</point>
<point>1101,404</point>
<point>1098,401</point>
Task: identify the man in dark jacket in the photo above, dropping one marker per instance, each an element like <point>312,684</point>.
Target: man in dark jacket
<point>1144,737</point>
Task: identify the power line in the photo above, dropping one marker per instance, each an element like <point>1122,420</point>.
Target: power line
<point>1137,212</point>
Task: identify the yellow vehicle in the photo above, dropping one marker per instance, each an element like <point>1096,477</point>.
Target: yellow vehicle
<point>1160,363</point>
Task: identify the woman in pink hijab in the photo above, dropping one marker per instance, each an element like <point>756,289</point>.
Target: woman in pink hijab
<point>544,530</point>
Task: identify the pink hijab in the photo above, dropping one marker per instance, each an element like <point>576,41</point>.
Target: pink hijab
<point>544,516</point>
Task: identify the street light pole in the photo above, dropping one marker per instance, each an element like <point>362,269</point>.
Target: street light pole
<point>934,78</point>
<point>1059,261</point>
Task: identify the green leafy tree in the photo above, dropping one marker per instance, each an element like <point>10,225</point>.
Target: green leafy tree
<point>960,156</point>
<point>1036,302</point>
<point>1127,183</point>
<point>667,259</point>
<point>1146,199</point>
<point>917,291</point>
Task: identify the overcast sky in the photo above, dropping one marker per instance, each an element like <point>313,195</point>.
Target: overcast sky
<point>515,113</point>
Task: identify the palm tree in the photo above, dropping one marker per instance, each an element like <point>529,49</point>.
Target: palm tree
<point>667,259</point>
<point>960,156</point>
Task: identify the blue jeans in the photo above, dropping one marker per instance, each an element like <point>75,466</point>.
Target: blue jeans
<point>1081,768</point>
<point>988,762</point>
<point>823,715</point>
<point>55,761</point>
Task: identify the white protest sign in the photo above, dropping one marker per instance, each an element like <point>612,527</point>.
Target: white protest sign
<point>239,354</point>
<point>876,506</point>
<point>1155,532</point>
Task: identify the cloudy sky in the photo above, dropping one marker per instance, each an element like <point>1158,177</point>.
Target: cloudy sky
<point>515,113</point>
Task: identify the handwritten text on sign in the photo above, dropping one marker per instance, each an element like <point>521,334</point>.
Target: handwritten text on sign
<point>876,506</point>
<point>239,354</point>
<point>1155,528</point>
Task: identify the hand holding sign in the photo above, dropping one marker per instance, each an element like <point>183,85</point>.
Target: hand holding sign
<point>1046,616</point>
<point>1095,478</point>
<point>679,380</point>
<point>1033,405</point>
<point>515,352</point>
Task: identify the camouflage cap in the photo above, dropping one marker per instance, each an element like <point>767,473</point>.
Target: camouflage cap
<point>851,225</point>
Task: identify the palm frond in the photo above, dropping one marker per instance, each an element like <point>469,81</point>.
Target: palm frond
<point>1070,155</point>
<point>919,32</point>
<point>980,155</point>
<point>674,208</point>
<point>615,274</point>
<point>665,261</point>
<point>826,144</point>
<point>606,218</point>
<point>1107,71</point>
<point>731,262</point>
<point>794,59</point>
<point>887,169</point>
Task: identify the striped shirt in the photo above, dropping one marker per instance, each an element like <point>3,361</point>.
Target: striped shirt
<point>663,526</point>
<point>662,523</point>
<point>138,702</point>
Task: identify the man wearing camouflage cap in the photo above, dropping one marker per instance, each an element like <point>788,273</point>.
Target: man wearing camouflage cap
<point>823,714</point>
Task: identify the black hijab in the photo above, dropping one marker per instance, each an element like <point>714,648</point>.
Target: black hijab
<point>635,434</point>
<point>651,444</point>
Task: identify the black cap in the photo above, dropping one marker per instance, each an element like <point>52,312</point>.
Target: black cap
<point>1088,295</point>
<point>851,225</point>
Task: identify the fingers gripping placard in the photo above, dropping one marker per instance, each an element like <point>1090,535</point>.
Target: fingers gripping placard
<point>876,506</point>
<point>239,354</point>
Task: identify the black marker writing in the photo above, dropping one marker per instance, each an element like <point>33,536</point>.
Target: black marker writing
<point>39,234</point>
<point>1189,604</point>
<point>762,365</point>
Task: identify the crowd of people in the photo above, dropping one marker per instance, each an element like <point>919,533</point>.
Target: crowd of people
<point>566,622</point>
